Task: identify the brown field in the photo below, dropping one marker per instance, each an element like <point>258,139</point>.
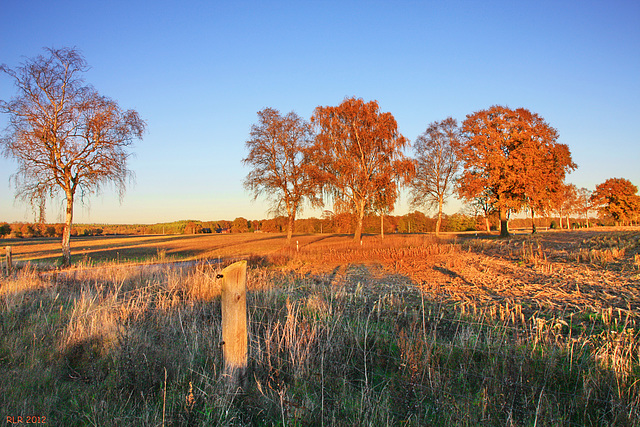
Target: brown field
<point>550,271</point>
<point>145,248</point>
<point>409,330</point>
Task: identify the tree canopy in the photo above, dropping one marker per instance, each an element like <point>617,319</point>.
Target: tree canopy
<point>358,156</point>
<point>64,135</point>
<point>512,156</point>
<point>618,198</point>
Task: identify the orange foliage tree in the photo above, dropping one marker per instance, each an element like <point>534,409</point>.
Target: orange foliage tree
<point>618,198</point>
<point>547,164</point>
<point>512,156</point>
<point>566,202</point>
<point>436,165</point>
<point>358,157</point>
<point>240,225</point>
<point>278,155</point>
<point>64,135</point>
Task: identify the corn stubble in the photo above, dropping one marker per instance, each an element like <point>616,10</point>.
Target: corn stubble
<point>411,331</point>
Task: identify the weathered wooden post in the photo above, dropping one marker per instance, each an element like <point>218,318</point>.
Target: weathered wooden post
<point>234,323</point>
<point>9,261</point>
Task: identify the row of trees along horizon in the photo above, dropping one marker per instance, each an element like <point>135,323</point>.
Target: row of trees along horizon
<point>412,222</point>
<point>67,138</point>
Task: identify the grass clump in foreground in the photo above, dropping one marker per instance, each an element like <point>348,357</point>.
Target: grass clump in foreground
<point>142,347</point>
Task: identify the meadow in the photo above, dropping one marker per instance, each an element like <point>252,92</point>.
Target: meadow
<point>409,330</point>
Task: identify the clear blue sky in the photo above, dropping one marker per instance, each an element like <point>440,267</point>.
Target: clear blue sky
<point>198,72</point>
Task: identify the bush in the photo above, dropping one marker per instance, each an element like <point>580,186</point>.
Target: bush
<point>5,229</point>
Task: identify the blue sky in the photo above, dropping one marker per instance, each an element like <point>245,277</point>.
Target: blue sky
<point>198,72</point>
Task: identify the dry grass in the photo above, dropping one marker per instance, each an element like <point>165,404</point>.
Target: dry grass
<point>402,331</point>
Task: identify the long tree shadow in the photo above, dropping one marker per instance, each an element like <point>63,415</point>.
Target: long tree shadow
<point>451,274</point>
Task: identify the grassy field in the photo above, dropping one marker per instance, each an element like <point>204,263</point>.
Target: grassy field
<point>409,330</point>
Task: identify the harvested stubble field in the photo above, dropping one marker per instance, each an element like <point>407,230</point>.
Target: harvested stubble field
<point>409,330</point>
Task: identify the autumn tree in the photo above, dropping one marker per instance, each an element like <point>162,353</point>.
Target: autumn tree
<point>566,202</point>
<point>240,225</point>
<point>584,204</point>
<point>358,156</point>
<point>193,227</point>
<point>436,165</point>
<point>546,166</point>
<point>278,155</point>
<point>618,198</point>
<point>514,157</point>
<point>64,135</point>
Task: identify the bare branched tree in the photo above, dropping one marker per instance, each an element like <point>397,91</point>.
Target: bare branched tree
<point>565,202</point>
<point>584,204</point>
<point>436,166</point>
<point>64,135</point>
<point>278,158</point>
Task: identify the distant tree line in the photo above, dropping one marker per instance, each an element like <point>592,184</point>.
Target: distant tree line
<point>343,223</point>
<point>31,230</point>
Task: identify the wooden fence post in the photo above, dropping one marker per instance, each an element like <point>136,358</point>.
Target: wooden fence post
<point>9,261</point>
<point>234,323</point>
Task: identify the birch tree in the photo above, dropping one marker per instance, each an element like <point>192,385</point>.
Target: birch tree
<point>64,135</point>
<point>436,165</point>
<point>358,154</point>
<point>278,155</point>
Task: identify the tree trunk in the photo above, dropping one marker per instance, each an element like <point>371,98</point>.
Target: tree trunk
<point>290,225</point>
<point>487,224</point>
<point>358,234</point>
<point>504,222</point>
<point>66,233</point>
<point>533,222</point>
<point>439,221</point>
<point>382,224</point>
